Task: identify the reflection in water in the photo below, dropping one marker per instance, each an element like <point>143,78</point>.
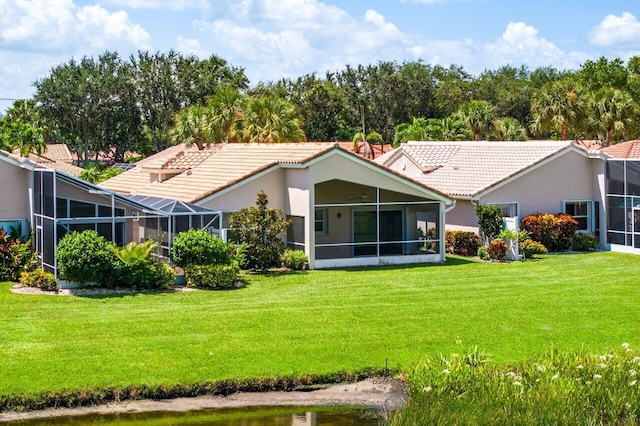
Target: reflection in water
<point>269,416</point>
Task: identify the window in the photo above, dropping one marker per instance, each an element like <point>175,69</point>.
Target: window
<point>322,216</point>
<point>508,209</point>
<point>581,211</point>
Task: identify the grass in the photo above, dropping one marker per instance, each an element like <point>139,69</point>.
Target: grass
<point>556,388</point>
<point>318,322</point>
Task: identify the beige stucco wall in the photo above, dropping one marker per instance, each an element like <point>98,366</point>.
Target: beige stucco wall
<point>404,165</point>
<point>571,176</point>
<point>348,170</point>
<point>272,182</point>
<point>568,177</point>
<point>14,191</point>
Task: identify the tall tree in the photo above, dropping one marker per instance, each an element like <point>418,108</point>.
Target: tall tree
<point>612,111</point>
<point>557,106</point>
<point>509,129</point>
<point>478,115</point>
<point>267,119</point>
<point>22,128</point>
<point>193,127</point>
<point>225,107</point>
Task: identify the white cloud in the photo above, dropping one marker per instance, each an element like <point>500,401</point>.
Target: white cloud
<point>191,46</point>
<point>157,4</point>
<point>60,26</point>
<point>286,38</point>
<point>616,30</point>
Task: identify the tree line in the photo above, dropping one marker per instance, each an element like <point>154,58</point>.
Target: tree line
<point>152,100</point>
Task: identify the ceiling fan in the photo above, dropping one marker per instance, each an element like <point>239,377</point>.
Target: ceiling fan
<point>363,197</point>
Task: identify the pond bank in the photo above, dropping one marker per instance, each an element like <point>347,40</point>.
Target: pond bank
<point>383,393</point>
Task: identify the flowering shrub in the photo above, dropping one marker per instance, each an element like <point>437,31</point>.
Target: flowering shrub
<point>497,249</point>
<point>555,388</point>
<point>530,248</point>
<point>461,243</point>
<point>39,278</point>
<point>555,232</point>
<point>15,256</point>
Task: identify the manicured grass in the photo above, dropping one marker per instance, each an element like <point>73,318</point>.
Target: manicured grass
<point>319,322</point>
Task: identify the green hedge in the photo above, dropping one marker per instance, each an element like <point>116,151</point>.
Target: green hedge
<point>211,276</point>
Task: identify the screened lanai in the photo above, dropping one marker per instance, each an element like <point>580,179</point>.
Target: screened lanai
<point>64,204</point>
<point>359,221</point>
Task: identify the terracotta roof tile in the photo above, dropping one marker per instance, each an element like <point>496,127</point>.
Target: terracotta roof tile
<point>623,150</point>
<point>464,169</point>
<point>67,168</point>
<point>229,163</point>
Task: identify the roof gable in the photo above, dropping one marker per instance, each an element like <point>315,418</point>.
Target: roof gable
<point>466,169</point>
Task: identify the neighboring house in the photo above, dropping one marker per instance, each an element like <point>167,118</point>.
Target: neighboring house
<point>54,203</point>
<point>56,156</point>
<point>622,190</point>
<point>344,210</point>
<point>522,178</point>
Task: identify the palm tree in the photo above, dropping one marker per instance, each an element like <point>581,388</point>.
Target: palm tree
<point>454,128</point>
<point>509,129</point>
<point>268,119</point>
<point>557,107</point>
<point>478,115</point>
<point>612,111</point>
<point>414,131</point>
<point>193,127</point>
<point>225,107</point>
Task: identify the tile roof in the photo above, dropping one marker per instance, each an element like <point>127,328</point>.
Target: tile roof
<point>67,168</point>
<point>222,167</point>
<point>464,169</point>
<point>623,150</point>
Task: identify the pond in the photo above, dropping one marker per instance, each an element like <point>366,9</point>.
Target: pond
<point>261,416</point>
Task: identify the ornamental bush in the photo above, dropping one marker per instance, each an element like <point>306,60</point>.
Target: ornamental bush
<point>85,257</point>
<point>15,256</point>
<point>584,242</point>
<point>489,221</point>
<point>529,248</point>
<point>214,277</point>
<point>497,249</point>
<point>296,260</point>
<point>462,243</point>
<point>40,279</point>
<point>555,232</point>
<point>199,247</point>
<point>262,230</point>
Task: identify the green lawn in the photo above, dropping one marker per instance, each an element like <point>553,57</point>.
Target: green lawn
<point>319,322</point>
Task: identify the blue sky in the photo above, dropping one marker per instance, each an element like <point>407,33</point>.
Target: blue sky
<point>272,39</point>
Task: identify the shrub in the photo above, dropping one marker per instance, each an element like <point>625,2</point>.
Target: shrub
<point>137,268</point>
<point>85,257</point>
<point>489,221</point>
<point>529,248</point>
<point>497,249</point>
<point>262,230</point>
<point>482,253</point>
<point>584,242</point>
<point>199,247</point>
<point>294,259</point>
<point>555,232</point>
<point>15,256</point>
<point>462,243</point>
<point>40,279</point>
<point>211,276</point>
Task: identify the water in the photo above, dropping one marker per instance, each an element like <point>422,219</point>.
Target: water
<point>263,416</point>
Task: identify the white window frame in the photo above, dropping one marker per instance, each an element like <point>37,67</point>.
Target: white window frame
<point>590,216</point>
<point>514,207</point>
<point>324,220</point>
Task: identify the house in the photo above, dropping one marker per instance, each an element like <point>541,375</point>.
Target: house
<point>521,178</point>
<point>54,203</point>
<point>344,210</point>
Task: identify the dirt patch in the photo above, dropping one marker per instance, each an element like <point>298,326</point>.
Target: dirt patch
<point>387,394</point>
